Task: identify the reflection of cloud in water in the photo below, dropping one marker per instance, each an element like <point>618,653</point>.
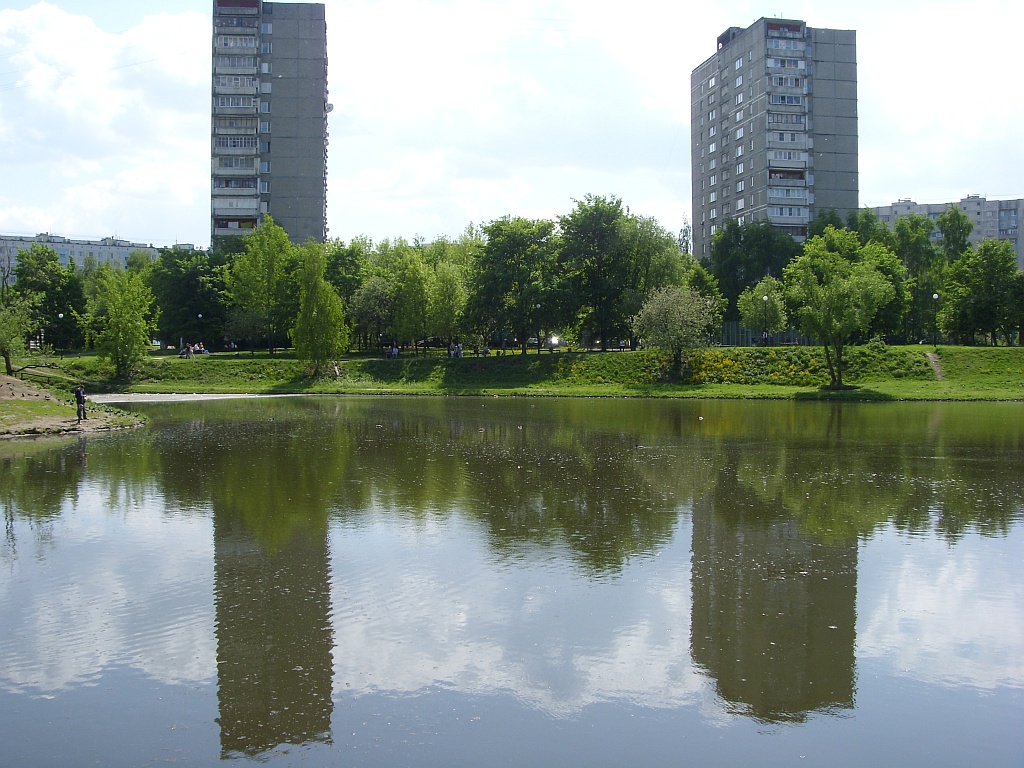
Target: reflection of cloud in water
<point>106,593</point>
<point>947,615</point>
<point>552,637</point>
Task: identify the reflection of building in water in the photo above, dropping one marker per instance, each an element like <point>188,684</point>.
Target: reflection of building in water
<point>274,639</point>
<point>773,610</point>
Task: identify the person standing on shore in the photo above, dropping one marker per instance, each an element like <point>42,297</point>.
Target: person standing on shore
<point>80,402</point>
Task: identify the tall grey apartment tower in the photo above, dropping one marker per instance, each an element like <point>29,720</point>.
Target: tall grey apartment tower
<point>269,118</point>
<point>773,128</point>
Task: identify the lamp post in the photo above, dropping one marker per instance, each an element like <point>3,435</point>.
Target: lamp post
<point>764,322</point>
<point>935,321</point>
<point>60,335</point>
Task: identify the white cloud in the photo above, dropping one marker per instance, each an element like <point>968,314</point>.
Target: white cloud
<point>452,112</point>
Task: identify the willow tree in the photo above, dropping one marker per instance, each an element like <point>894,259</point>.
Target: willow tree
<point>320,334</point>
<point>835,291</point>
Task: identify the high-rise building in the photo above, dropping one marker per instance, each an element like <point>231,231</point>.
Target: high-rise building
<point>269,117</point>
<point>992,219</point>
<point>773,128</point>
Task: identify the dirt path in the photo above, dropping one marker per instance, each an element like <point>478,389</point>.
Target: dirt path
<point>936,364</point>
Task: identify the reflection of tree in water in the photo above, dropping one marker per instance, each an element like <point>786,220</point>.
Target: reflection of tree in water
<point>36,483</point>
<point>774,609</point>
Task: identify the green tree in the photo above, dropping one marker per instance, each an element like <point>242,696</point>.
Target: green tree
<point>447,300</point>
<point>742,254</point>
<point>832,296</point>
<point>594,260</point>
<point>259,278</point>
<point>706,284</point>
<point>674,318</point>
<point>411,292</point>
<point>868,227</point>
<point>59,292</point>
<point>320,334</point>
<point>372,310</point>
<point>979,293</point>
<point>189,290</point>
<point>763,307</point>
<point>822,219</point>
<point>914,247</point>
<point>119,320</point>
<point>956,227</point>
<point>346,264</point>
<point>514,273</point>
<point>16,322</point>
<point>654,257</point>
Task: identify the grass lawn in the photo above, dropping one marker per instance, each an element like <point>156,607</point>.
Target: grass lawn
<point>875,371</point>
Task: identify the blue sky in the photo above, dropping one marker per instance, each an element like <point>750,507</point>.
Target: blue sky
<point>453,112</point>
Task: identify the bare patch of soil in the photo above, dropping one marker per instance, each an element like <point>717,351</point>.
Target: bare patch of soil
<point>48,414</point>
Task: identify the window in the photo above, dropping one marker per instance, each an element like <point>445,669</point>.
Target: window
<point>785,45</point>
<point>264,126</point>
<point>713,180</point>
<point>235,62</point>
<point>780,118</point>
<point>714,228</point>
<point>711,99</point>
<point>264,166</point>
<point>786,81</point>
<point>234,122</point>
<point>786,211</point>
<point>739,186</point>
<point>711,82</point>
<point>740,205</point>
<point>235,161</point>
<point>264,187</point>
<point>739,168</point>
<point>712,147</point>
<point>790,192</point>
<point>713,213</point>
<point>712,164</point>
<point>712,197</point>
<point>739,81</point>
<point>264,87</point>
<point>738,63</point>
<point>265,68</point>
<point>739,151</point>
<point>265,106</point>
<point>739,132</point>
<point>712,131</point>
<point>235,81</point>
<point>265,147</point>
<point>739,97</point>
<point>788,100</point>
<point>786,63</point>
<point>738,116</point>
<point>235,142</point>
<point>712,114</point>
<point>236,41</point>
<point>267,28</point>
<point>235,101</point>
<point>267,48</point>
<point>235,183</point>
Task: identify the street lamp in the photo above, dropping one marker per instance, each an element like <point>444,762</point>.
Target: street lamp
<point>935,321</point>
<point>764,324</point>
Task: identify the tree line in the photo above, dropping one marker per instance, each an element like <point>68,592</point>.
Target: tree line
<point>595,276</point>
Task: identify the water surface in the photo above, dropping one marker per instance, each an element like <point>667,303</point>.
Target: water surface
<point>449,581</point>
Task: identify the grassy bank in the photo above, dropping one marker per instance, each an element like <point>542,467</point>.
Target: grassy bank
<point>876,371</point>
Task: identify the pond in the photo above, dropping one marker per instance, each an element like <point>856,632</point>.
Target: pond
<point>357,581</point>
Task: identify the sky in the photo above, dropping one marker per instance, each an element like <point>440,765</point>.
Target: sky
<point>456,112</point>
